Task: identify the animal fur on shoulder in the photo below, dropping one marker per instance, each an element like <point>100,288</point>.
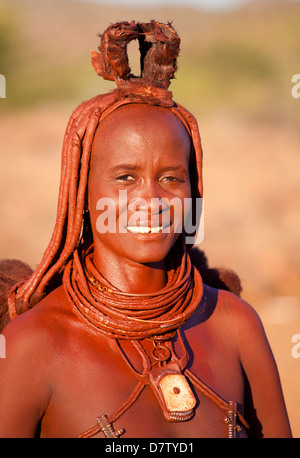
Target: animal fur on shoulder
<point>12,271</point>
<point>217,277</point>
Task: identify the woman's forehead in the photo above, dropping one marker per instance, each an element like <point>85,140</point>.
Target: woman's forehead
<point>143,121</point>
<point>142,116</point>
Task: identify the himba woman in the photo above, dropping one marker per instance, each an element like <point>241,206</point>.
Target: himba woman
<point>116,333</point>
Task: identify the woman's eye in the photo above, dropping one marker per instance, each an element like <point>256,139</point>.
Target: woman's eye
<point>170,178</point>
<point>125,178</point>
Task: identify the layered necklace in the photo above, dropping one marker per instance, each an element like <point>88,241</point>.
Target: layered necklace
<point>120,315</point>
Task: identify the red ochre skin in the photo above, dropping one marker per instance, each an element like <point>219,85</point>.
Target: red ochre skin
<point>60,374</point>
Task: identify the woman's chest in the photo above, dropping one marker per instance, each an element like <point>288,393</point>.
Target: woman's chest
<point>99,381</point>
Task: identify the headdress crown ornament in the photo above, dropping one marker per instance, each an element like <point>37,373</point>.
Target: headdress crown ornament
<point>159,49</point>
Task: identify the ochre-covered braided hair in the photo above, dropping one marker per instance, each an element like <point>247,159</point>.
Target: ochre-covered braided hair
<point>159,48</point>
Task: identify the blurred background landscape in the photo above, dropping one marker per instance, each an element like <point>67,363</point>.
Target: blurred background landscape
<point>235,72</point>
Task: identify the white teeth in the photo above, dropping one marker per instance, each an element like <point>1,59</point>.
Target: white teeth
<point>144,229</point>
<point>156,229</point>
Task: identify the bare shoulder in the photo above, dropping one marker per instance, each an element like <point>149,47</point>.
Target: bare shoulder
<point>237,320</point>
<point>228,314</point>
<point>247,325</point>
<point>242,316</point>
<point>27,370</point>
<point>37,329</point>
<point>263,395</point>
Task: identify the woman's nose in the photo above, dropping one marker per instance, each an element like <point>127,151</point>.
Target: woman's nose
<point>149,199</point>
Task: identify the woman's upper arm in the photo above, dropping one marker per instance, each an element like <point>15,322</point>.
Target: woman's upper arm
<point>24,389</point>
<point>264,387</point>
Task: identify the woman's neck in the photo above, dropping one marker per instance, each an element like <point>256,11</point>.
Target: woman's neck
<point>130,276</point>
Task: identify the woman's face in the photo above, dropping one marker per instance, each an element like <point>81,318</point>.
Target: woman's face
<point>138,181</point>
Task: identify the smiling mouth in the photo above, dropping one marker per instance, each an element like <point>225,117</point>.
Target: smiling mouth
<point>145,229</point>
